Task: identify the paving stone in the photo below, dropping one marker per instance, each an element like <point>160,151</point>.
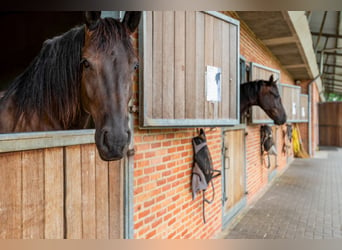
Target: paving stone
<point>305,202</point>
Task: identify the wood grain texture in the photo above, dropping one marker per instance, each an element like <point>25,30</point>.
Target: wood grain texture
<point>33,194</point>
<point>182,44</point>
<point>10,196</point>
<point>73,193</point>
<point>54,193</point>
<point>88,191</point>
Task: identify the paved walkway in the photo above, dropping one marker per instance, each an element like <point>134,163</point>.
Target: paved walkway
<point>305,202</point>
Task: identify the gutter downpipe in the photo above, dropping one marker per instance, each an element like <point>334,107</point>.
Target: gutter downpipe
<point>310,95</point>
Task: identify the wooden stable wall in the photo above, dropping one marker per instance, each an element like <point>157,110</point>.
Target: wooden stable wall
<point>330,124</point>
<point>176,47</point>
<point>61,192</point>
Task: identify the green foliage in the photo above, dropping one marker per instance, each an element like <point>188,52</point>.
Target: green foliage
<point>333,97</point>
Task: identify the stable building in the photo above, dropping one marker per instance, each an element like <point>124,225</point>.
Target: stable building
<point>55,185</point>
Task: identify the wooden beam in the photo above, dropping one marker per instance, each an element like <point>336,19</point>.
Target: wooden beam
<point>294,66</point>
<point>280,40</point>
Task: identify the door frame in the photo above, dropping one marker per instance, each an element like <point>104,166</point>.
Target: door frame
<point>228,216</point>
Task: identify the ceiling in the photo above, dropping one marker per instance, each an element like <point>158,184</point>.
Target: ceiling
<point>326,30</point>
<point>277,30</point>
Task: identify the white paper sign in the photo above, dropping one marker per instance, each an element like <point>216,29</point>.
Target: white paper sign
<point>294,108</point>
<point>303,112</point>
<point>213,81</point>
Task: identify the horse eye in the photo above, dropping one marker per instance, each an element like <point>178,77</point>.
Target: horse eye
<point>85,63</point>
<point>136,66</point>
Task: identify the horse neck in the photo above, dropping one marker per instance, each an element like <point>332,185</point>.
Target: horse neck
<point>7,108</point>
<point>248,96</point>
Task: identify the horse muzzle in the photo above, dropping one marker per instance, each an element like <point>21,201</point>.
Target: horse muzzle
<point>112,146</point>
<point>280,121</point>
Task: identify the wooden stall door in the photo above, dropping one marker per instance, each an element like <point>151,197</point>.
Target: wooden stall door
<point>64,192</point>
<point>330,124</point>
<point>234,172</point>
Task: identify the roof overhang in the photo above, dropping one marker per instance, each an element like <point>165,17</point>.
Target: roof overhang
<point>287,35</point>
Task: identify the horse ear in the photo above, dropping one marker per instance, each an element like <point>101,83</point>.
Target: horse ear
<point>92,19</point>
<point>271,79</point>
<point>131,20</point>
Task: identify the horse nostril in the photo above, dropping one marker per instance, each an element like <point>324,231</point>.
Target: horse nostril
<point>104,138</point>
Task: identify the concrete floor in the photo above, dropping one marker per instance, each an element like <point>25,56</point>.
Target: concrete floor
<point>305,202</point>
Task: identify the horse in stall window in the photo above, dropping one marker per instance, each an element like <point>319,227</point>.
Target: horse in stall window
<point>85,72</point>
<point>264,94</point>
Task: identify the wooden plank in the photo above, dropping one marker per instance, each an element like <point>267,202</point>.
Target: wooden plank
<point>10,196</point>
<point>168,64</point>
<point>116,199</point>
<point>200,67</point>
<point>54,193</point>
<point>233,74</point>
<point>101,192</point>
<point>157,93</point>
<point>228,100</point>
<point>190,65</point>
<point>148,63</point>
<point>217,61</point>
<point>73,195</point>
<point>33,194</point>
<point>209,57</point>
<point>88,153</point>
<point>179,24</point>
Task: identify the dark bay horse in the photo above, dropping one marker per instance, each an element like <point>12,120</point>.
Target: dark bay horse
<point>86,71</point>
<point>264,94</point>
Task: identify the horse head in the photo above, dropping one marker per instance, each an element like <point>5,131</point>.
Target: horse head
<point>108,64</point>
<point>269,100</point>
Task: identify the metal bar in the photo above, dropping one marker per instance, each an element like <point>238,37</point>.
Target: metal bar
<point>308,15</point>
<point>328,35</point>
<point>332,65</point>
<point>336,41</point>
<point>331,53</point>
<point>332,79</point>
<point>331,73</point>
<point>321,29</point>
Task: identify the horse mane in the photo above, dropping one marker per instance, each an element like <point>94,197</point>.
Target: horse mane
<point>52,82</point>
<point>250,89</point>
